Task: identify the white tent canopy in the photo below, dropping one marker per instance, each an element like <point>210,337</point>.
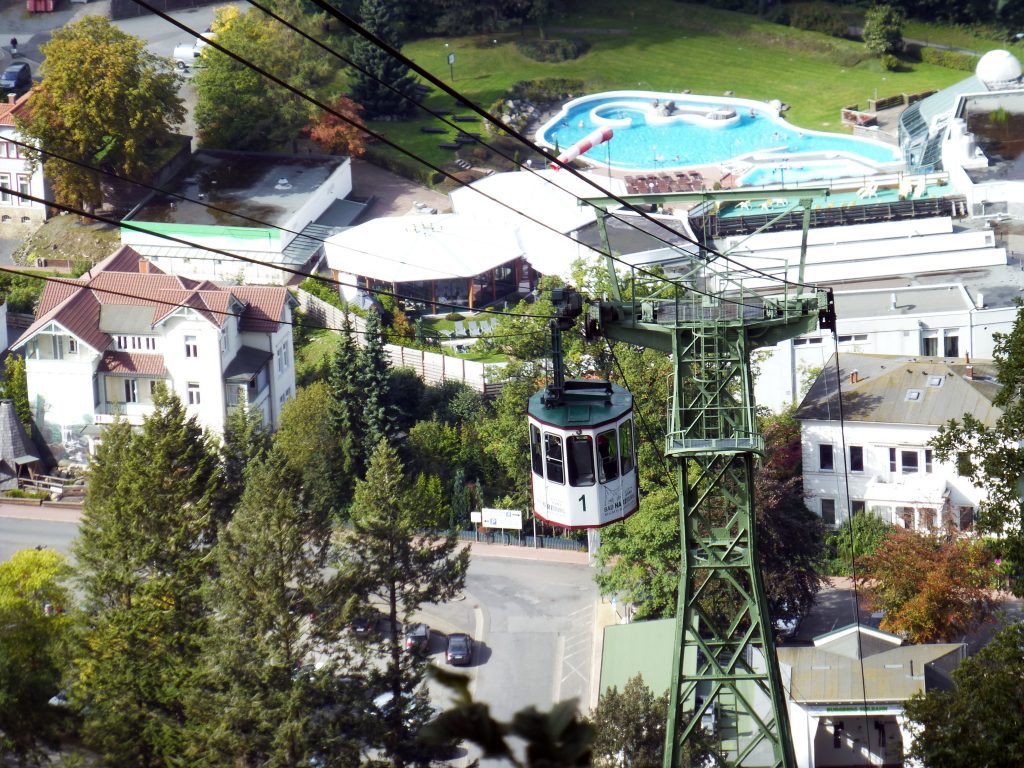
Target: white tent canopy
<point>405,249</point>
<point>548,197</point>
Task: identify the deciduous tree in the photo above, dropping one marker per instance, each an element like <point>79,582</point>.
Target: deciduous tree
<point>33,599</point>
<point>883,30</point>
<point>390,556</point>
<point>992,455</point>
<point>104,100</point>
<point>337,136</point>
<point>238,108</point>
<point>306,437</point>
<point>977,723</point>
<point>856,541</point>
<point>931,589</point>
<point>629,726</point>
<point>141,561</point>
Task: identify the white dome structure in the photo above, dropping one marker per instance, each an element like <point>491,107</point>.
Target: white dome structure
<point>999,70</point>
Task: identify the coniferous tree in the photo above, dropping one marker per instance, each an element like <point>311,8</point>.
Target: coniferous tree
<point>346,400</point>
<point>389,556</point>
<point>246,440</point>
<point>378,16</point>
<point>374,389</point>
<point>141,561</point>
<point>271,660</point>
<point>15,388</point>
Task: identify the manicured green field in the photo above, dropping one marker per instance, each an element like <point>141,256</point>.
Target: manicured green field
<point>661,45</point>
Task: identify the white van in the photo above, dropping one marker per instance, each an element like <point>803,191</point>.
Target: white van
<point>188,56</point>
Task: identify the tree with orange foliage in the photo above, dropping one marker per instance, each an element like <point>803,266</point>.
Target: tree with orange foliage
<point>932,588</point>
<point>334,134</point>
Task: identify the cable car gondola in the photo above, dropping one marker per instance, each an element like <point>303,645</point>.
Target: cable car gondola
<point>582,446</point>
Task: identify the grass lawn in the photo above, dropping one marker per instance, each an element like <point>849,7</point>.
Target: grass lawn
<point>319,345</point>
<point>653,44</point>
<point>969,38</point>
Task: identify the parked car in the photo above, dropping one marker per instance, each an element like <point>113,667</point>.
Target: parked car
<point>188,56</point>
<point>417,636</point>
<point>17,78</point>
<point>364,625</point>
<point>460,649</point>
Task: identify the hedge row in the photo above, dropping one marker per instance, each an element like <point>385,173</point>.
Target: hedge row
<point>949,59</point>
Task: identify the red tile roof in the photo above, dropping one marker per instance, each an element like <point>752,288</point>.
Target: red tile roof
<point>118,280</point>
<point>265,306</point>
<point>131,364</point>
<point>9,109</point>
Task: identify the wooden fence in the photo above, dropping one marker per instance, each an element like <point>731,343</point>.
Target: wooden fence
<point>432,367</point>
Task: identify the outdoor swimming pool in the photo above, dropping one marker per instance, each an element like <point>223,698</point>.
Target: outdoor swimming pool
<point>708,130</point>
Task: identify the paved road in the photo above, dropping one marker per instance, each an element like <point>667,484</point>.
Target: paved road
<point>534,625</point>
<point>532,613</point>
<point>16,533</point>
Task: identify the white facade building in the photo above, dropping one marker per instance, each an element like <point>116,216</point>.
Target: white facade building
<point>846,694</point>
<point>99,348</point>
<point>943,319</point>
<point>892,407</point>
<point>15,174</point>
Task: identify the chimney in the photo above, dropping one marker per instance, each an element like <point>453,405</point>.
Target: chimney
<point>11,98</point>
<point>143,267</point>
<point>969,372</point>
<point>980,303</point>
<point>854,376</point>
<point>892,301</point>
<point>967,358</point>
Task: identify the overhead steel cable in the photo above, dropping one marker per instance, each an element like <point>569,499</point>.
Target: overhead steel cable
<point>412,155</point>
<point>78,283</point>
<point>385,46</point>
<point>247,259</point>
<point>497,150</point>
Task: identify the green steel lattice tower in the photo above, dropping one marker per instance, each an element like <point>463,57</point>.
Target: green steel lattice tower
<point>725,674</point>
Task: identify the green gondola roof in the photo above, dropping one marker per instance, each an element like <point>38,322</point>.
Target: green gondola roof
<point>583,408</point>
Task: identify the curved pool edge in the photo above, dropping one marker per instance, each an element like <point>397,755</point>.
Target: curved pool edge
<point>765,108</point>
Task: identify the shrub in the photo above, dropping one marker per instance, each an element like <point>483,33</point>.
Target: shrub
<point>549,89</point>
<point>322,291</point>
<point>454,317</point>
<point>553,50</point>
<point>889,62</point>
<point>818,18</point>
<point>18,493</point>
<point>949,59</point>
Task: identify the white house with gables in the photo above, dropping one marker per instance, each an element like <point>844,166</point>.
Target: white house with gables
<point>17,214</point>
<point>102,343</point>
<point>893,405</point>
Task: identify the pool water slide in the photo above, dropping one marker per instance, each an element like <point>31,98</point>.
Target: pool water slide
<point>599,136</point>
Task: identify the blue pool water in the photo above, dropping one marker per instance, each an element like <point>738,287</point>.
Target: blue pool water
<point>755,130</point>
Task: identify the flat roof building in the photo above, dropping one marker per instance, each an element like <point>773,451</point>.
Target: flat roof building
<point>274,209</point>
